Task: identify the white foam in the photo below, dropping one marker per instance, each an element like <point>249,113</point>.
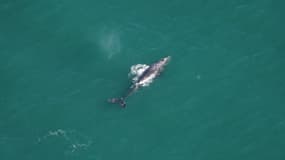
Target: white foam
<point>137,70</point>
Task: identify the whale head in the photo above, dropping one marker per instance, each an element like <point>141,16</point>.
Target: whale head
<point>163,61</point>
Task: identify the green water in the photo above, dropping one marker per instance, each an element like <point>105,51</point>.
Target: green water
<point>220,98</point>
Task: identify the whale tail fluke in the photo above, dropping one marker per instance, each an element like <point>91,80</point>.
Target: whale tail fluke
<point>120,101</point>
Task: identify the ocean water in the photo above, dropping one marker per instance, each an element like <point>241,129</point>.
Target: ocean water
<point>221,96</point>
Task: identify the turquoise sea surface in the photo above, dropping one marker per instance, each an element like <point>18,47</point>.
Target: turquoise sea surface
<point>222,96</point>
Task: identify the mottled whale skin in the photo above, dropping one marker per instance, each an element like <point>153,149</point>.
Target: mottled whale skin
<point>148,75</point>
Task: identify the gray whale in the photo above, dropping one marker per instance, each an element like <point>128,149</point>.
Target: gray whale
<point>148,74</point>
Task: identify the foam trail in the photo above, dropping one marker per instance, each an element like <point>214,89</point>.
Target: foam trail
<point>74,141</point>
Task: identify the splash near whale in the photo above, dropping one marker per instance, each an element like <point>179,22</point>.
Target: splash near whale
<point>142,76</point>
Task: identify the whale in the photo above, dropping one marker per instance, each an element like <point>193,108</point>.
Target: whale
<point>143,76</point>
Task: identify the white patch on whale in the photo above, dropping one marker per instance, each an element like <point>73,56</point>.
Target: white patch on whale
<point>147,81</point>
